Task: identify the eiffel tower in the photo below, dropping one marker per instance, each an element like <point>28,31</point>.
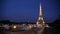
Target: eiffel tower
<point>40,21</point>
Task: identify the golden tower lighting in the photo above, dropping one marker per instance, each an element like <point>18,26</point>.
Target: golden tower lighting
<point>40,18</point>
<point>40,10</point>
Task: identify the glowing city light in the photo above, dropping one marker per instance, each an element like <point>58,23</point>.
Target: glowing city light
<point>30,26</point>
<point>14,26</point>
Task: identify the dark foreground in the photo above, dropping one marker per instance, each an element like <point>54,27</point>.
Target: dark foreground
<point>32,31</point>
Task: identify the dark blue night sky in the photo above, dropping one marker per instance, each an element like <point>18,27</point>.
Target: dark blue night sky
<point>28,10</point>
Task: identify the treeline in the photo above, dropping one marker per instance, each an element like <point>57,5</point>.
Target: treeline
<point>9,22</point>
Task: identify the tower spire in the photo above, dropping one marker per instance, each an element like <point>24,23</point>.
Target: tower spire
<point>40,10</point>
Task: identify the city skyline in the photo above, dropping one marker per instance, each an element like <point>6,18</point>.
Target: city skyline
<point>28,10</point>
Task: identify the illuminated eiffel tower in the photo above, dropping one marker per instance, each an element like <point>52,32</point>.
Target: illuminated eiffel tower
<point>40,21</point>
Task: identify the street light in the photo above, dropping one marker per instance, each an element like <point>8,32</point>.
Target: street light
<point>14,26</point>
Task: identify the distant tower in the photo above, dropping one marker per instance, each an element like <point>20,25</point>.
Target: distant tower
<point>40,18</point>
